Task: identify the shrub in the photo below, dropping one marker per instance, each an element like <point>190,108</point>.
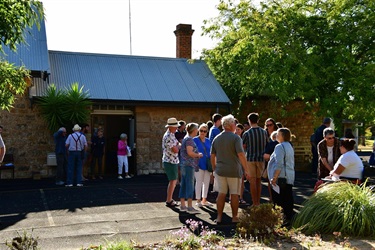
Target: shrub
<point>64,107</point>
<point>194,236</point>
<point>339,207</point>
<point>23,242</point>
<point>260,221</point>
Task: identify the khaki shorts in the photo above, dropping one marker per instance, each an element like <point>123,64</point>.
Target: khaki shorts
<point>222,184</point>
<point>255,169</point>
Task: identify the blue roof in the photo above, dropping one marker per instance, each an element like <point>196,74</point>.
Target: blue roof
<point>136,78</point>
<point>118,77</point>
<point>34,54</point>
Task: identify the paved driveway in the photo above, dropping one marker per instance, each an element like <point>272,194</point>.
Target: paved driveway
<point>110,209</point>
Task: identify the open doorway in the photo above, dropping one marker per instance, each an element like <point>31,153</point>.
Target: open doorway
<point>113,126</point>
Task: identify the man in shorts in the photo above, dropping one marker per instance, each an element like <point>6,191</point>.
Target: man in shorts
<point>254,143</point>
<point>228,162</point>
<point>170,159</point>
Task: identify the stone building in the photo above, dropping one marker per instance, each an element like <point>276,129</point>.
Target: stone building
<point>131,94</point>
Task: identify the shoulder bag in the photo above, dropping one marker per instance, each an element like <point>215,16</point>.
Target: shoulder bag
<point>208,160</point>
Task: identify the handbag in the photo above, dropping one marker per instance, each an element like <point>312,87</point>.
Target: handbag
<point>371,161</point>
<point>208,160</point>
<point>129,152</point>
<point>209,165</point>
<point>281,182</point>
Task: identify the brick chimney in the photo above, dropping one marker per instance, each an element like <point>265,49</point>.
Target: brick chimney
<point>183,34</point>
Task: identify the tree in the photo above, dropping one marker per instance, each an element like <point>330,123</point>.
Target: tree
<point>320,52</point>
<point>16,17</point>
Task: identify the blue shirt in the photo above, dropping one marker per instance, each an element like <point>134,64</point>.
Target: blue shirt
<point>214,131</point>
<point>59,139</point>
<point>201,149</point>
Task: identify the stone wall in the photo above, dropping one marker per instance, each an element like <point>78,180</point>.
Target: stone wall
<point>150,128</point>
<point>26,136</point>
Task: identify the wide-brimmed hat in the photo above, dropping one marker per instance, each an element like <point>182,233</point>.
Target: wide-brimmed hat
<point>76,128</point>
<point>172,122</point>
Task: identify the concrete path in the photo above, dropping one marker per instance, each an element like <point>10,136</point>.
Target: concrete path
<point>105,210</point>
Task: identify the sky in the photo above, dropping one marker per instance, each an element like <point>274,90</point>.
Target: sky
<point>102,26</point>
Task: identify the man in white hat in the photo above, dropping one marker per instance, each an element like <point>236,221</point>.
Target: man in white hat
<point>170,159</point>
<point>76,144</point>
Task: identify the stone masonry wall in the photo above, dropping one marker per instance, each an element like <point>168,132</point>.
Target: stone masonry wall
<point>150,126</point>
<point>27,137</point>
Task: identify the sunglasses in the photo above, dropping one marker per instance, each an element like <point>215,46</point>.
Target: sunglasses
<point>203,131</point>
<point>269,125</point>
<point>330,138</point>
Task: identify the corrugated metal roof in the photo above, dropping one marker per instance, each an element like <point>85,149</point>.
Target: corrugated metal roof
<point>136,78</point>
<point>34,54</point>
<point>118,77</point>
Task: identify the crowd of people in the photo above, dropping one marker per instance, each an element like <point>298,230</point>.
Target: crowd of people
<point>228,153</point>
<point>73,150</point>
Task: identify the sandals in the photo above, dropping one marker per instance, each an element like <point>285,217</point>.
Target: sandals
<point>172,203</point>
<point>242,201</point>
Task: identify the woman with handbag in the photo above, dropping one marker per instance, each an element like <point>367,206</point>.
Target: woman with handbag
<point>281,173</point>
<point>203,176</point>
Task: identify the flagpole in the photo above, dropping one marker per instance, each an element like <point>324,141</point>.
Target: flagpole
<point>130,30</point>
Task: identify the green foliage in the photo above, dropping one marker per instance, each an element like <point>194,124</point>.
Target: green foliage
<point>120,245</point>
<point>320,52</point>
<point>23,242</point>
<point>260,221</point>
<point>12,82</point>
<point>339,207</point>
<point>64,107</point>
<point>15,17</point>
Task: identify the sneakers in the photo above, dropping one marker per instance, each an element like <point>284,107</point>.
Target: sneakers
<point>79,185</point>
<point>207,204</point>
<point>199,204</point>
<point>183,208</point>
<point>120,177</point>
<point>172,203</point>
<point>192,210</point>
<point>69,185</point>
<point>128,177</point>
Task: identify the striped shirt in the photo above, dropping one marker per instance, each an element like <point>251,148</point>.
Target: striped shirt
<point>255,140</point>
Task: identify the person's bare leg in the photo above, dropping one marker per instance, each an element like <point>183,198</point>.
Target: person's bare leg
<point>182,202</point>
<point>259,190</point>
<point>242,187</point>
<point>170,190</point>
<point>234,205</point>
<point>190,202</point>
<point>253,189</point>
<point>220,203</point>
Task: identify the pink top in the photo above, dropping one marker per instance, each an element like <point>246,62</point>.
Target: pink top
<point>122,148</point>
